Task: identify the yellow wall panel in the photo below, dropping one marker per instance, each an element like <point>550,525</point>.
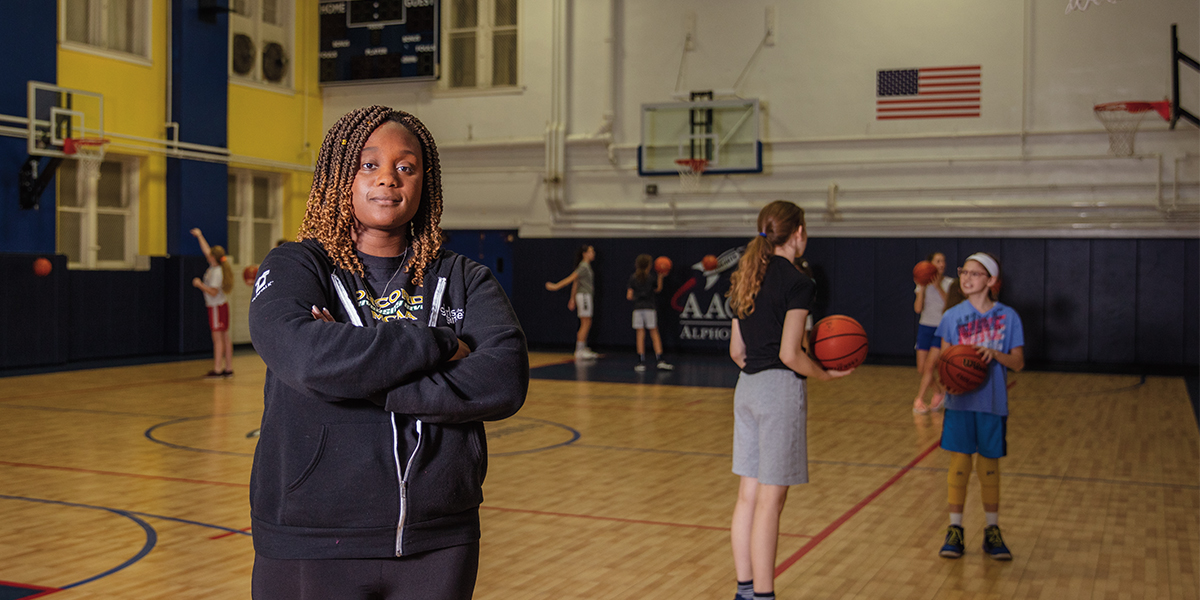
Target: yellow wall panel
<point>134,104</point>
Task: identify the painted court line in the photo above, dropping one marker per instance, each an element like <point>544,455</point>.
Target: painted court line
<point>619,520</point>
<point>820,537</point>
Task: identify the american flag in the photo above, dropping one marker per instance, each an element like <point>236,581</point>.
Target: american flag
<point>927,93</point>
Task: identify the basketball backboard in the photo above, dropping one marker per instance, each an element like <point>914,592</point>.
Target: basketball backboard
<point>723,132</point>
<point>58,113</point>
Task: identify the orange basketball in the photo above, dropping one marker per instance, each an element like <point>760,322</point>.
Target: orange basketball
<point>42,267</point>
<point>662,264</point>
<point>924,273</point>
<point>962,369</point>
<point>709,262</point>
<point>249,274</point>
<point>839,343</point>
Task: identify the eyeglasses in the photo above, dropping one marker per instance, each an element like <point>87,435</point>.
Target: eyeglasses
<point>972,274</point>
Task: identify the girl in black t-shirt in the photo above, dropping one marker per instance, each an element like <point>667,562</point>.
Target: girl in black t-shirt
<point>770,299</point>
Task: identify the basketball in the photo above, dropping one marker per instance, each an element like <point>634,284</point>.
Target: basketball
<point>41,267</point>
<point>709,262</point>
<point>249,273</point>
<point>839,343</point>
<point>961,369</point>
<point>662,264</point>
<point>924,273</point>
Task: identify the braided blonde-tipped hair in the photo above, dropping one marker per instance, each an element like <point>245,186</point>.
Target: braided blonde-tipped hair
<point>329,215</point>
<point>777,222</point>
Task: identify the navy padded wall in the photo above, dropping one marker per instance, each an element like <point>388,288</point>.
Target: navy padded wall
<point>28,35</point>
<point>1191,314</point>
<point>852,285</point>
<point>1067,300</point>
<point>1081,301</point>
<point>32,330</point>
<point>123,314</point>
<point>1024,288</point>
<point>1113,308</point>
<point>1160,289</point>
<point>895,321</point>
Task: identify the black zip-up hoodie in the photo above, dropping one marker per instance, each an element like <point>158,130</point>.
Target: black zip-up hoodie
<point>372,444</point>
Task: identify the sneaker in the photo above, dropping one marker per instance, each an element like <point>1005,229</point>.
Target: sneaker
<point>586,354</point>
<point>227,374</point>
<point>937,402</point>
<point>953,548</point>
<point>919,407</point>
<point>640,368</point>
<point>993,544</point>
<point>665,366</point>
<point>214,375</point>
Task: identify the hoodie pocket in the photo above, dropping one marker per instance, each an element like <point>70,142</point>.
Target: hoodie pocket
<point>349,481</point>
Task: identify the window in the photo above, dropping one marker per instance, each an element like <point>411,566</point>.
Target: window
<point>117,25</point>
<point>260,41</point>
<point>481,43</point>
<point>255,206</point>
<point>97,216</point>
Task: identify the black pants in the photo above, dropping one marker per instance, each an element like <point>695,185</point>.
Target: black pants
<point>445,574</point>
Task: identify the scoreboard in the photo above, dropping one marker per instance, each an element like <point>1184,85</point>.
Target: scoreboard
<point>363,40</point>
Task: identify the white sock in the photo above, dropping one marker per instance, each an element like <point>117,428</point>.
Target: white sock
<point>993,518</point>
<point>956,519</point>
<point>580,346</point>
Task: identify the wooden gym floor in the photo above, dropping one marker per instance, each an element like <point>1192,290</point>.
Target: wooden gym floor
<point>131,482</point>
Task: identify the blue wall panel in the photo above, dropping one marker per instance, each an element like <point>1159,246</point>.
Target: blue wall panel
<point>197,192</point>
<point>28,38</point>
<point>1067,300</point>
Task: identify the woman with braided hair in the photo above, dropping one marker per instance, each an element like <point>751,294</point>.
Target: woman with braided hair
<point>385,354</point>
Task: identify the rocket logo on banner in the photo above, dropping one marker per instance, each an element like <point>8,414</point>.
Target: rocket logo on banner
<point>927,93</point>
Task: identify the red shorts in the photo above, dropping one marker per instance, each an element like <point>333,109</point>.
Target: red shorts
<point>218,317</point>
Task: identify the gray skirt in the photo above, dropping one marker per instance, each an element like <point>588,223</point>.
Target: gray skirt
<point>770,427</point>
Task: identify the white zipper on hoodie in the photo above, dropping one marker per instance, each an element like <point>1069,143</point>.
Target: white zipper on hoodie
<point>401,472</point>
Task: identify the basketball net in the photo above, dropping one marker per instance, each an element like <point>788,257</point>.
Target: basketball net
<point>1122,119</point>
<point>89,152</point>
<point>690,170</point>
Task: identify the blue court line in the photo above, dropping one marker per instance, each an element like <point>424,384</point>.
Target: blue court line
<point>575,435</point>
<point>150,435</point>
<point>151,535</point>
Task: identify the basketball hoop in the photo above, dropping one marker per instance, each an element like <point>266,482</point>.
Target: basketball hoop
<point>1122,120</point>
<point>89,152</point>
<point>690,170</point>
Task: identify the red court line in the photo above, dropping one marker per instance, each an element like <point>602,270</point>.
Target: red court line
<point>619,520</point>
<point>42,591</point>
<point>228,533</point>
<point>820,537</point>
<point>116,474</point>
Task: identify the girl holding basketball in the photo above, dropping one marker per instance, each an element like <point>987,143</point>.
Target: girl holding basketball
<point>930,303</point>
<point>218,281</point>
<point>770,299</point>
<point>976,421</point>
<point>641,291</point>
<point>582,281</point>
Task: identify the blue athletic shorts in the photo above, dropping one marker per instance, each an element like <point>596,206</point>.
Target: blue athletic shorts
<point>925,337</point>
<point>971,432</point>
